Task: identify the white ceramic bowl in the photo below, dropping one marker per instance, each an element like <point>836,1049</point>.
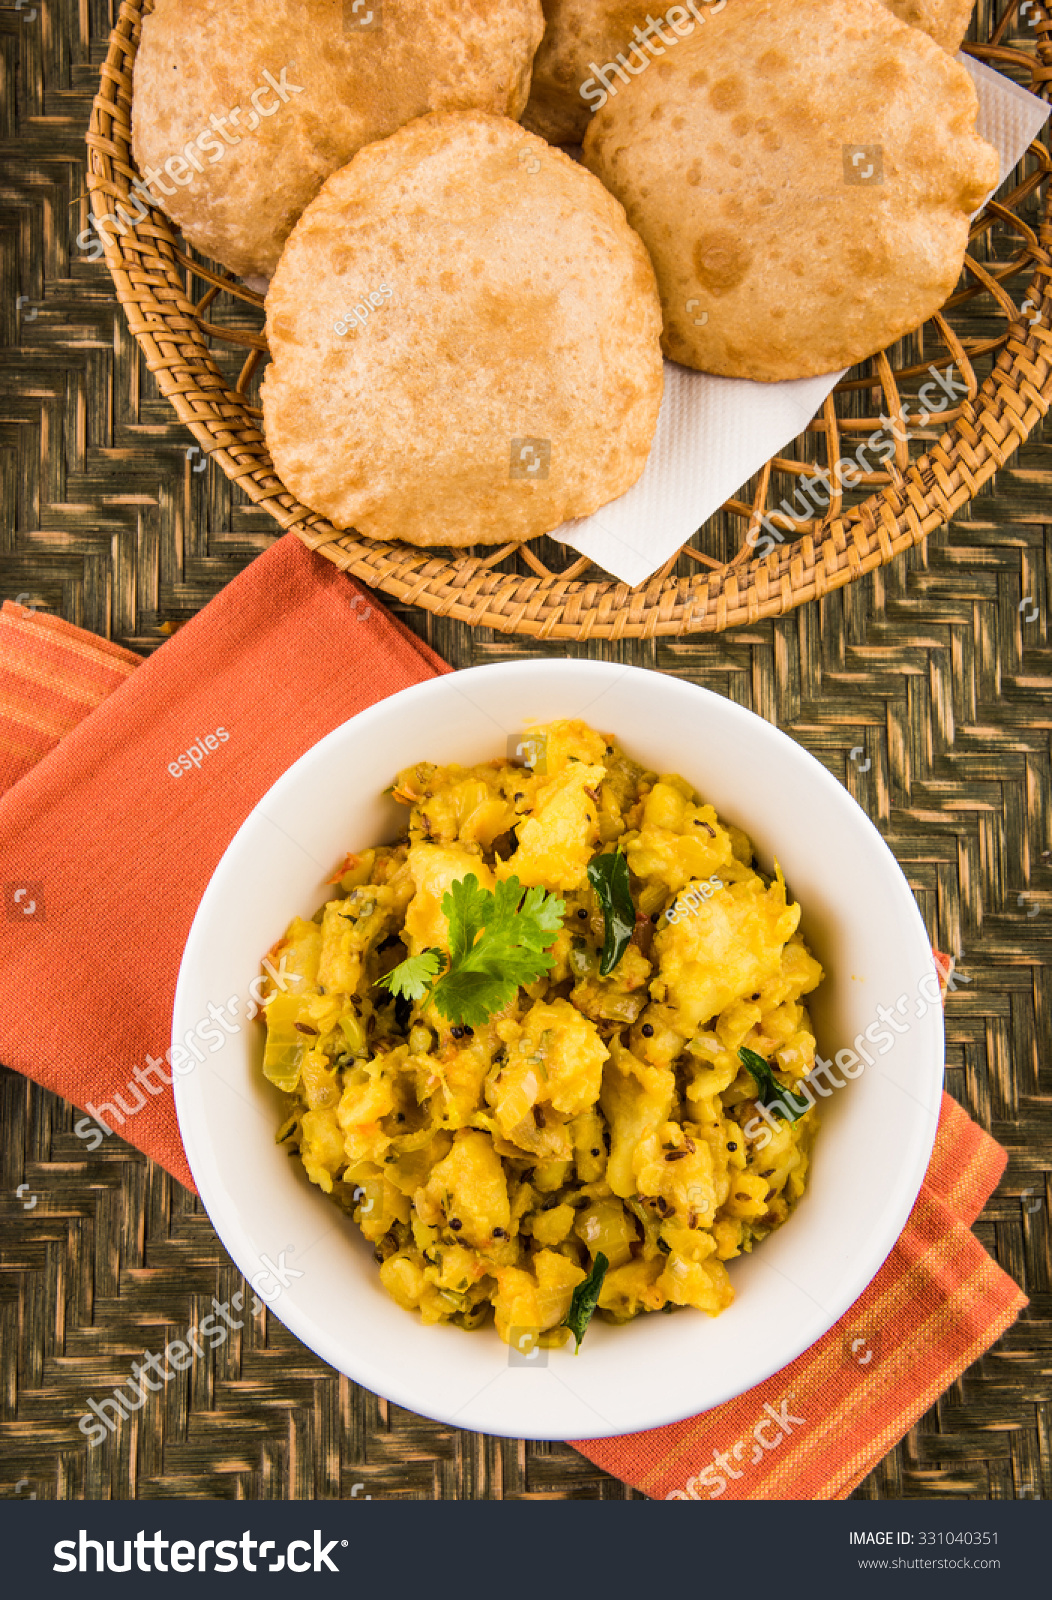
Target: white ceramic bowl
<point>859,917</point>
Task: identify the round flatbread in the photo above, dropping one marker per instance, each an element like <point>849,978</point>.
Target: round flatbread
<point>242,108</point>
<point>945,20</point>
<point>589,44</point>
<point>803,208</point>
<point>466,340</point>
<point>580,36</point>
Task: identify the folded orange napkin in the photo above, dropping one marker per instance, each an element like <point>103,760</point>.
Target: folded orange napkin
<point>108,842</point>
<point>109,832</point>
<point>814,1430</point>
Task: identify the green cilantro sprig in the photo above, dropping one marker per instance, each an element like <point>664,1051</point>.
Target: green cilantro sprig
<point>773,1095</point>
<point>413,978</point>
<point>498,942</point>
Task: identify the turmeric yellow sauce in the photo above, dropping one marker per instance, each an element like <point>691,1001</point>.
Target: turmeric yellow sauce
<point>588,1116</point>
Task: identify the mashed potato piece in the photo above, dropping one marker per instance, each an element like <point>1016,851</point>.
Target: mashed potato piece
<point>490,1166</point>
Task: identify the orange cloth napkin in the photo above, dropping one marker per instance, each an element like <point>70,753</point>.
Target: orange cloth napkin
<point>104,855</point>
<point>814,1430</point>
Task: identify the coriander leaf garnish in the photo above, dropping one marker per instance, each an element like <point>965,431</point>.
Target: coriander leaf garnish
<point>608,875</point>
<point>411,980</point>
<point>585,1299</point>
<point>498,942</point>
<point>773,1095</point>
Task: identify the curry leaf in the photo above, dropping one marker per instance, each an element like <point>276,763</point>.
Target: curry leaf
<point>773,1095</point>
<point>585,1299</point>
<point>608,875</point>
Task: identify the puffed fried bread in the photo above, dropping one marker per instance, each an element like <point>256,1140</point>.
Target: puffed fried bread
<point>946,21</point>
<point>466,340</point>
<point>242,108</point>
<point>803,210</point>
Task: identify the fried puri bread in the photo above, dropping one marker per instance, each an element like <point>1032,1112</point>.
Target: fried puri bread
<point>589,44</point>
<point>466,340</point>
<point>945,20</point>
<point>242,108</point>
<point>579,36</point>
<point>802,211</point>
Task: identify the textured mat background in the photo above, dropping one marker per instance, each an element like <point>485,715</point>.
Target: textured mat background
<point>935,667</point>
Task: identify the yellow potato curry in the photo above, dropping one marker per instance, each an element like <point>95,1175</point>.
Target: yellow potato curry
<point>546,1049</point>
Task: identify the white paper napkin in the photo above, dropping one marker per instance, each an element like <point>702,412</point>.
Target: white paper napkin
<point>713,434</point>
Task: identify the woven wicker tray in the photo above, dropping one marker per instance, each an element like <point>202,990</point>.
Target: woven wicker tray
<point>201,334</point>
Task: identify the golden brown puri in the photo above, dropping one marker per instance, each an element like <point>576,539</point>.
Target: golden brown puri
<point>583,35</point>
<point>802,210</point>
<point>578,33</point>
<point>466,340</point>
<point>945,20</point>
<point>238,182</point>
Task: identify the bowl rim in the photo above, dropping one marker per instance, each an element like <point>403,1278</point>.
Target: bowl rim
<point>391,1384</point>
